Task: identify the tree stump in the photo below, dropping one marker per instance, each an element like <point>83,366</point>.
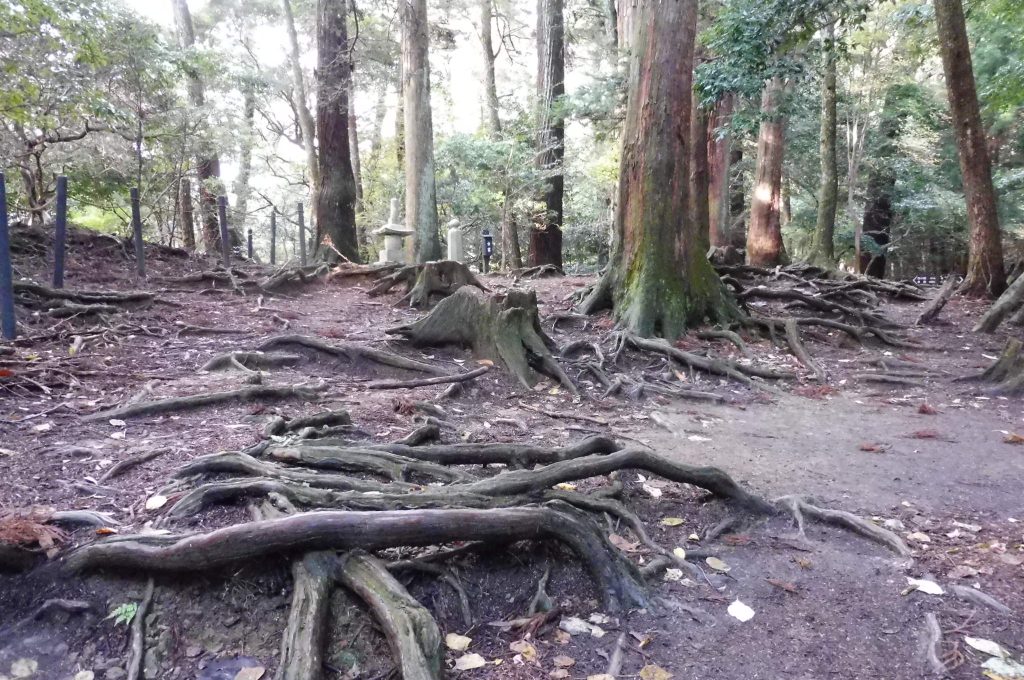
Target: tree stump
<point>424,281</point>
<point>1007,372</point>
<point>502,328</point>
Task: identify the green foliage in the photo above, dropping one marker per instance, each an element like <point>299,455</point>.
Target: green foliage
<point>124,613</point>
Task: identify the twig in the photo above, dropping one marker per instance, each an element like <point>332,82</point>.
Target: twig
<point>137,651</point>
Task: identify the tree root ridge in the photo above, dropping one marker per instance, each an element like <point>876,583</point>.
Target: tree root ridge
<point>191,402</point>
<point>303,642</point>
<point>801,508</point>
<point>425,281</point>
<point>1006,375</point>
<point>351,352</point>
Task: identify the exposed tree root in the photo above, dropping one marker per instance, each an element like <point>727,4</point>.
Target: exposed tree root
<point>245,394</point>
<point>410,629</point>
<point>303,643</point>
<point>323,456</point>
<point>287,277</point>
<point>351,352</point>
<point>931,312</point>
<point>932,644</point>
<point>137,648</point>
<point>502,329</point>
<point>425,281</point>
<point>242,464</point>
<point>539,272</point>
<point>423,382</point>
<point>734,338</point>
<point>317,423</point>
<point>793,338</point>
<point>61,303</point>
<point>820,304</point>
<point>975,596</point>
<point>1011,302</point>
<point>14,559</point>
<point>1007,374</point>
<point>801,507</point>
<point>514,455</point>
<point>858,333</point>
<point>250,362</point>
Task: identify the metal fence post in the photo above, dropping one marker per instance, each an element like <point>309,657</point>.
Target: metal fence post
<point>273,236</point>
<point>60,235</point>
<point>140,246</point>
<point>6,277</point>
<point>302,238</point>
<point>225,240</point>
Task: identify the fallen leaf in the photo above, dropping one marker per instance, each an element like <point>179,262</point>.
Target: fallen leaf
<point>84,675</point>
<point>119,423</point>
<point>680,553</point>
<point>562,661</point>
<point>870,448</point>
<point>574,626</point>
<point>784,585</point>
<point>6,373</point>
<point>652,672</point>
<point>106,531</point>
<point>919,537</point>
<point>987,646</point>
<point>485,362</point>
<point>468,662</point>
<point>962,571</point>
<point>803,562</point>
<point>925,586</point>
<point>623,544</point>
<point>601,676</point>
<point>565,486</point>
<point>642,640</point>
<point>562,638</point>
<point>673,575</point>
<point>251,673</point>
<point>926,409</point>
<point>1013,438</point>
<point>155,502</point>
<point>652,491</point>
<point>717,564</point>
<point>672,521</point>
<point>1012,560</point>
<point>456,642</point>
<point>558,674</point>
<point>1003,669</point>
<point>524,649</point>
<point>740,611</point>
<point>925,434</point>
<point>736,539</point>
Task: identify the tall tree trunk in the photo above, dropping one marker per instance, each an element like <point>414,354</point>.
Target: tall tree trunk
<point>985,273</point>
<point>335,200</point>
<point>737,198</point>
<point>242,190</point>
<point>490,83</point>
<point>511,254</point>
<point>301,99</point>
<point>659,280</point>
<point>353,145</point>
<point>546,237</point>
<point>611,24</point>
<point>699,173</point>
<point>764,236</point>
<point>881,185</point>
<point>188,228</point>
<point>718,171</point>
<point>420,189</point>
<point>400,119</point>
<point>380,110</point>
<point>207,162</point>
<point>823,252</point>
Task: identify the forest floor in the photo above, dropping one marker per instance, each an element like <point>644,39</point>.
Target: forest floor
<point>930,457</point>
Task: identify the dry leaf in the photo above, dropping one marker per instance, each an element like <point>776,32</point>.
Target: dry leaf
<point>652,491</point>
<point>565,486</point>
<point>601,676</point>
<point>623,544</point>
<point>643,640</point>
<point>803,562</point>
<point>870,448</point>
<point>925,434</point>
<point>251,673</point>
<point>1013,438</point>
<point>652,672</point>
<point>672,521</point>
<point>680,553</point>
<point>919,537</point>
<point>485,362</point>
<point>468,662</point>
<point>106,531</point>
<point>524,649</point>
<point>987,646</point>
<point>562,661</point>
<point>155,502</point>
<point>673,575</point>
<point>558,674</point>
<point>784,585</point>
<point>962,571</point>
<point>562,638</point>
<point>456,642</point>
<point>717,564</point>
<point>24,668</point>
<point>926,409</point>
<point>740,611</point>
<point>925,586</point>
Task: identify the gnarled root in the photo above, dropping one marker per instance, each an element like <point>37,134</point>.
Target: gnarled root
<point>499,328</point>
<point>410,629</point>
<point>425,281</point>
<point>1007,373</point>
<point>250,362</point>
<point>245,394</point>
<point>291,276</point>
<point>801,507</point>
<point>351,352</point>
<point>302,646</point>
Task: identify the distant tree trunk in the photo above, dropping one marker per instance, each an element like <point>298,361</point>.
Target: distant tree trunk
<point>737,198</point>
<point>207,162</point>
<point>764,236</point>
<point>188,228</point>
<point>718,171</point>
<point>985,273</point>
<point>659,280</point>
<point>699,172</point>
<point>335,200</point>
<point>881,185</point>
<point>380,110</point>
<point>490,83</point>
<point>301,99</point>
<point>546,237</point>
<point>241,212</point>
<point>823,251</point>
<point>611,24</point>
<point>511,254</point>
<point>400,119</point>
<point>353,145</point>
<point>420,191</point>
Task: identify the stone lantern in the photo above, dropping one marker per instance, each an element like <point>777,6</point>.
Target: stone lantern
<point>393,234</point>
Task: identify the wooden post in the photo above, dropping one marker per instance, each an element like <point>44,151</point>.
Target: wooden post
<point>302,238</point>
<point>140,247</point>
<point>7,326</point>
<point>60,235</point>
<point>249,243</point>
<point>225,237</point>
<point>273,236</point>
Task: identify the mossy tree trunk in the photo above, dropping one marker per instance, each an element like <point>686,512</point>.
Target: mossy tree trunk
<point>823,253</point>
<point>659,281</point>
<point>764,236</point>
<point>546,236</point>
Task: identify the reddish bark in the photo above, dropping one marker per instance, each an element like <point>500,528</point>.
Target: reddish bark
<point>764,237</point>
<point>718,172</point>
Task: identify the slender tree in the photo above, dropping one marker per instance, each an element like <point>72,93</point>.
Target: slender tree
<point>336,195</point>
<point>300,98</point>
<point>420,190</point>
<point>546,236</point>
<point>659,280</point>
<point>719,143</point>
<point>489,55</point>
<point>985,273</point>
<point>823,253</point>
<point>700,212</point>
<point>764,236</point>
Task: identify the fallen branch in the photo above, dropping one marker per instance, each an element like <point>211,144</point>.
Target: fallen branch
<point>304,642</point>
<point>188,403</point>
<point>423,382</point>
<point>352,352</point>
<point>137,650</point>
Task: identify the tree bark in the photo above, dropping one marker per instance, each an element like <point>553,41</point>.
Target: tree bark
<point>718,171</point>
<point>353,145</point>
<point>546,236</point>
<point>420,189</point>
<point>823,253</point>
<point>881,185</point>
<point>764,236</point>
<point>301,99</point>
<point>490,83</point>
<point>737,196</point>
<point>207,161</point>
<point>985,273</point>
<point>511,253</point>
<point>659,280</point>
<point>376,134</point>
<point>335,199</point>
<point>188,229</point>
<point>241,212</point>
<point>700,213</point>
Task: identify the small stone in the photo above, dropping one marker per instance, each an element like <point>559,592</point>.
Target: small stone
<point>192,651</point>
<point>24,668</point>
<point>115,673</point>
<point>84,675</point>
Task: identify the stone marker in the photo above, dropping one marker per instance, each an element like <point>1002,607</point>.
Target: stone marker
<point>456,243</point>
<point>393,234</point>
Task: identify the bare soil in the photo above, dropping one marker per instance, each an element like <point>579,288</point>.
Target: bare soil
<point>931,454</point>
